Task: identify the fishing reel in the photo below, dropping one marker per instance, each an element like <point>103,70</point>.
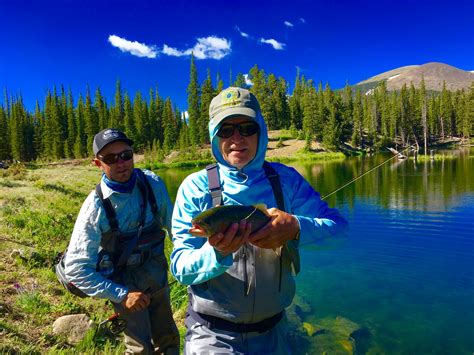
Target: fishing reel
<point>114,324</point>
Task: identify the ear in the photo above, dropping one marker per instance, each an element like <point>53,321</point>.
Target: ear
<point>98,163</point>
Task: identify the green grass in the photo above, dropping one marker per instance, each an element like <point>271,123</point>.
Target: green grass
<point>303,156</point>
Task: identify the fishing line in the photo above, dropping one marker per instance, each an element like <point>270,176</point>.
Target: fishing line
<point>365,173</point>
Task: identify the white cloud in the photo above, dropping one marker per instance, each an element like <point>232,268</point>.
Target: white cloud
<point>302,20</point>
<point>211,47</point>
<point>135,48</point>
<point>172,51</point>
<point>206,47</point>
<point>248,82</point>
<point>288,24</point>
<point>274,43</point>
<point>243,34</point>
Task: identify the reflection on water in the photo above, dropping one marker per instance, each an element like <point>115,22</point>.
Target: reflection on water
<point>403,283</point>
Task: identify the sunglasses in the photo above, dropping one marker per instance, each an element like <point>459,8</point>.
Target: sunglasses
<point>109,159</point>
<point>246,129</point>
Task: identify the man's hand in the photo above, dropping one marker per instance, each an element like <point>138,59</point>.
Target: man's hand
<point>136,301</point>
<point>232,239</point>
<point>281,228</point>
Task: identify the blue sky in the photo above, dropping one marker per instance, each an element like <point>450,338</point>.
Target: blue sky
<point>146,44</point>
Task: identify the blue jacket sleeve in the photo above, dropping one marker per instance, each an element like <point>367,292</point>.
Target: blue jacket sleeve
<point>193,259</point>
<point>82,254</point>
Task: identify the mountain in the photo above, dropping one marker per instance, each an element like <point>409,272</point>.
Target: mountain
<point>434,74</point>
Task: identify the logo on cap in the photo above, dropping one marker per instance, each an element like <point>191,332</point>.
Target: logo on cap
<point>230,97</point>
<point>110,134</point>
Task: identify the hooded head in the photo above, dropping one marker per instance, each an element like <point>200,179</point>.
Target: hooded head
<point>229,104</point>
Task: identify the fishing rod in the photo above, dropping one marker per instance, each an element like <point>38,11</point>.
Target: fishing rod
<point>365,173</point>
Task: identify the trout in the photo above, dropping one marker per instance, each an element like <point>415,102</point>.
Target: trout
<point>218,219</point>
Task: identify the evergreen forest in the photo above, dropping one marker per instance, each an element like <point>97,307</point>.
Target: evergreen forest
<point>65,127</point>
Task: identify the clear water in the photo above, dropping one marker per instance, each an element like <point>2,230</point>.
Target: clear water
<point>405,275</point>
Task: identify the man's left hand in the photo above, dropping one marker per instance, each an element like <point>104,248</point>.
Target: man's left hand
<point>281,228</point>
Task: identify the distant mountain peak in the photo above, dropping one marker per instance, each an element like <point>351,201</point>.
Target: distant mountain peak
<point>434,74</point>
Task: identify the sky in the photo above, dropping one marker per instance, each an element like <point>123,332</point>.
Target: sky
<point>147,44</point>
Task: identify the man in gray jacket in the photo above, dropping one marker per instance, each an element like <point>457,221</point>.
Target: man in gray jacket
<point>241,283</point>
<point>116,250</point>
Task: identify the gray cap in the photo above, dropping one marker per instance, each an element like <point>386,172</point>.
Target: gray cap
<point>107,136</point>
<point>233,101</point>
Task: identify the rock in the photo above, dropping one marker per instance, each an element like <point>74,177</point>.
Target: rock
<point>73,326</point>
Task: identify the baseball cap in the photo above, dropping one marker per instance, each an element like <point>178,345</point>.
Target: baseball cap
<point>233,101</point>
<point>107,136</point>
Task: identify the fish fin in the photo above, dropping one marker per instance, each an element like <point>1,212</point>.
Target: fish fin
<point>262,207</point>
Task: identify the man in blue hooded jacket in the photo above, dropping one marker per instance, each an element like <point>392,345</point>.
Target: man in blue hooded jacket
<point>239,286</point>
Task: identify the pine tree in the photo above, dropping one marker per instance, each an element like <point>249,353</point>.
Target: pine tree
<point>295,102</point>
<point>468,129</point>
<point>169,127</point>
<point>5,147</point>
<point>90,122</point>
<point>129,120</point>
<point>357,132</point>
<point>240,81</point>
<point>260,89</point>
<point>100,107</point>
<point>38,127</point>
<point>193,104</point>
<point>71,128</point>
<point>310,111</point>
<point>424,113</point>
<point>152,118</point>
<point>207,93</point>
<point>117,115</point>
<point>140,121</point>
<point>17,138</point>
<point>220,84</point>
<point>445,112</point>
<point>80,149</point>
<point>347,124</point>
<point>159,117</point>
<point>404,114</point>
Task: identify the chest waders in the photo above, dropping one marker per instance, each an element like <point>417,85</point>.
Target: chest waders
<point>215,191</point>
<point>132,249</point>
<point>124,249</point>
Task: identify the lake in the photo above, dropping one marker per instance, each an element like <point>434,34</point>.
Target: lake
<point>403,281</point>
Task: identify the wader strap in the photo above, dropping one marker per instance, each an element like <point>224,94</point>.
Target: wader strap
<point>109,209</point>
<point>274,179</point>
<point>212,322</point>
<point>214,184</point>
<point>151,195</point>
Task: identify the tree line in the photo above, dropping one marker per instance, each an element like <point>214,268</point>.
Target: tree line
<point>65,129</point>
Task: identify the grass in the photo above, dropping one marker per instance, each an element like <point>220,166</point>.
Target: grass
<point>303,156</point>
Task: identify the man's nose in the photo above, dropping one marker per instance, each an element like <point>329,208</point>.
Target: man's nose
<point>237,136</point>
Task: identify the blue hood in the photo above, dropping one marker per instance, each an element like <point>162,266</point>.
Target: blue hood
<point>254,168</point>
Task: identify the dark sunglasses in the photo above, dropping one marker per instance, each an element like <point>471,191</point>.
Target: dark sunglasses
<point>113,158</point>
<point>246,129</point>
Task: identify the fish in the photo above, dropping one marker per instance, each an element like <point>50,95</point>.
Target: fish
<point>218,219</point>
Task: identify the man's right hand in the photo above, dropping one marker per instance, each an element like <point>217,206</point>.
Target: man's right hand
<point>136,301</point>
<point>232,239</point>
